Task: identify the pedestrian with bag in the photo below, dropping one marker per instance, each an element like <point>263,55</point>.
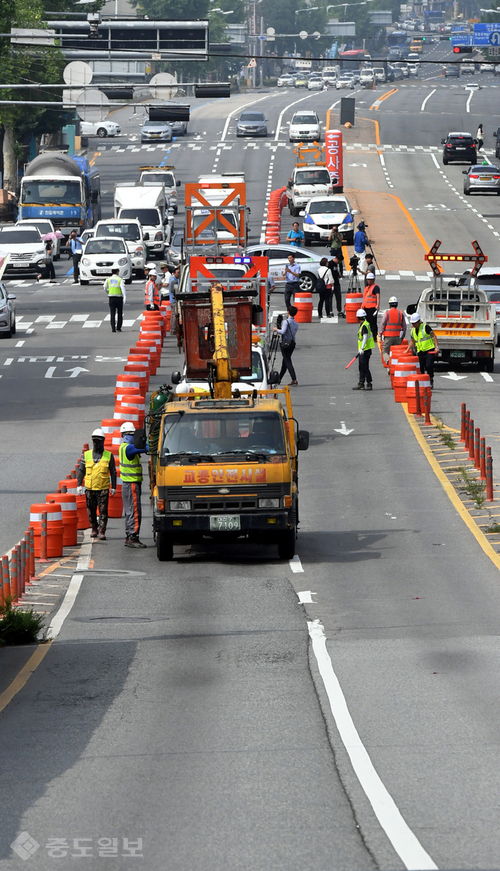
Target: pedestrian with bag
<point>335,241</point>
<point>76,248</point>
<point>335,268</point>
<point>117,297</point>
<point>480,137</point>
<point>292,280</point>
<point>366,343</point>
<point>324,286</point>
<point>424,343</point>
<point>288,331</point>
<point>97,470</point>
<point>392,329</point>
<point>49,271</point>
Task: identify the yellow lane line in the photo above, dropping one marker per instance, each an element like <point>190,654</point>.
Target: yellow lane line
<point>451,493</point>
<point>412,222</point>
<point>381,99</point>
<point>24,675</point>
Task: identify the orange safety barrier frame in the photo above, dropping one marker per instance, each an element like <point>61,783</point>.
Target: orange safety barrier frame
<point>195,198</point>
<point>257,269</point>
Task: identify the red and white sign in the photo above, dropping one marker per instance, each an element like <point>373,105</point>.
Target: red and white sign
<point>333,158</point>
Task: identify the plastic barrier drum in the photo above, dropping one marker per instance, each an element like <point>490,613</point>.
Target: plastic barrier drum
<point>303,302</point>
<point>55,530</point>
<point>67,501</point>
<point>352,304</point>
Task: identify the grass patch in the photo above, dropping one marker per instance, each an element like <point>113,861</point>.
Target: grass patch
<point>474,488</point>
<point>17,626</point>
<point>445,436</point>
<point>495,527</point>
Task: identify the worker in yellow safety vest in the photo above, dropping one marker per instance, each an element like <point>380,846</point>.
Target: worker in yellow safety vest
<point>117,296</point>
<point>152,295</point>
<point>365,344</point>
<point>424,343</point>
<point>97,470</point>
<point>131,477</point>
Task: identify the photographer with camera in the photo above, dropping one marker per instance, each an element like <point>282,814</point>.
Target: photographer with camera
<point>335,241</point>
<point>335,267</point>
<point>287,330</point>
<point>360,243</point>
<point>369,267</point>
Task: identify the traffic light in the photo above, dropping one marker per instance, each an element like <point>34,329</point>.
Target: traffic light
<point>462,49</point>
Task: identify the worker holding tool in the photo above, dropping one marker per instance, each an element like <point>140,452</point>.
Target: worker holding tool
<point>365,344</point>
<point>424,343</point>
<point>97,468</point>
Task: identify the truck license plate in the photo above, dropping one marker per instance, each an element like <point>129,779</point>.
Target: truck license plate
<point>457,354</point>
<point>224,523</point>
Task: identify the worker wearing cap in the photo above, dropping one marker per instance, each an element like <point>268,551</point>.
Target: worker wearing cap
<point>365,344</point>
<point>371,302</point>
<point>96,470</point>
<point>164,278</point>
<point>392,329</point>
<point>424,343</point>
<point>131,476</point>
<point>115,288</point>
<point>152,294</point>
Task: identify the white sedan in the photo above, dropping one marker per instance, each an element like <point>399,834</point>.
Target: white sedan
<point>323,213</point>
<point>345,81</point>
<point>100,256</point>
<point>100,128</point>
<point>278,259</point>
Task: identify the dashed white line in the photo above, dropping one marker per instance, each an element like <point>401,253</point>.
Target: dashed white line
<point>486,376</point>
<point>422,107</point>
<point>296,565</point>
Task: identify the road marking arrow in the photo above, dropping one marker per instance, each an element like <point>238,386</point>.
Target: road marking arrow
<point>343,429</point>
<point>74,372</point>
<point>453,376</point>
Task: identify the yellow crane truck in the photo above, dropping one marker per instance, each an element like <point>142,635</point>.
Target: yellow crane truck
<point>224,466</point>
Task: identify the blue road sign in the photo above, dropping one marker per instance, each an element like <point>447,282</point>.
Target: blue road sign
<point>464,39</point>
<point>487,34</point>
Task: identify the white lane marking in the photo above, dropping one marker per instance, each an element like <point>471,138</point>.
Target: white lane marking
<point>403,840</point>
<point>8,361</point>
<point>305,597</point>
<point>422,107</point>
<point>486,376</point>
<point>73,589</point>
<point>20,344</point>
<point>296,565</point>
<point>467,105</point>
<point>238,109</point>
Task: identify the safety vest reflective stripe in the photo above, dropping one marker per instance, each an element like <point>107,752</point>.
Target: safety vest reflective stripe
<point>130,470</point>
<point>369,298</point>
<point>152,296</point>
<point>394,323</point>
<point>114,286</point>
<point>370,341</point>
<point>422,341</point>
<point>97,474</point>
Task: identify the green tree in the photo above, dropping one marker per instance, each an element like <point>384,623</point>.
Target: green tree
<point>164,10</point>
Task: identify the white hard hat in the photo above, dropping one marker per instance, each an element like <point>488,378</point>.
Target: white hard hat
<point>393,300</point>
<point>98,434</point>
<point>128,426</point>
<point>150,266</point>
<point>153,272</point>
<point>370,275</point>
<point>415,318</point>
<point>361,313</point>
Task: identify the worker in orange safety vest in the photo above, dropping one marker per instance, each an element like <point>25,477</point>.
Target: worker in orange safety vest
<point>371,302</point>
<point>392,329</point>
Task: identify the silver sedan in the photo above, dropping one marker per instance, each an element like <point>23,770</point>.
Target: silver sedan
<point>481,179</point>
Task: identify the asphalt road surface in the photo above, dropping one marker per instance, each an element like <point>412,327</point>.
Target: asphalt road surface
<point>229,709</point>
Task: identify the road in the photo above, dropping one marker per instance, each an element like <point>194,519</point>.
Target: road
<point>199,705</point>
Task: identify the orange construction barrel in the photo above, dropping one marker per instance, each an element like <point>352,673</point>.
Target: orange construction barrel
<point>142,374</point>
<point>81,503</point>
<point>67,501</point>
<point>411,391</point>
<point>303,302</point>
<point>352,304</point>
<point>55,530</point>
<point>401,374</point>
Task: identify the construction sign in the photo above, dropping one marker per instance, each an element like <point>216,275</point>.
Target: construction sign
<point>433,258</point>
<point>252,64</point>
<point>334,158</point>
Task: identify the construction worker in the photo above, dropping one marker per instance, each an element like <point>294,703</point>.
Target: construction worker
<point>371,302</point>
<point>424,343</point>
<point>117,296</point>
<point>131,475</point>
<point>152,297</point>
<point>97,468</point>
<point>392,329</point>
<point>365,344</point>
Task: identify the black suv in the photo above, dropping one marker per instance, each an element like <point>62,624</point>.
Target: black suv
<point>459,147</point>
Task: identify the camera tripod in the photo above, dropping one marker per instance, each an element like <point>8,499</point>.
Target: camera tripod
<point>354,285</point>
<point>369,246</point>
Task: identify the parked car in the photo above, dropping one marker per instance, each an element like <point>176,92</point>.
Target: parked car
<point>85,236</point>
<point>100,128</point>
<point>26,249</point>
<point>322,213</point>
<point>101,256</point>
<point>251,123</point>
<point>7,313</point>
<point>304,126</point>
<point>459,147</point>
<point>45,226</point>
<point>156,131</point>
<point>286,81</point>
<point>173,254</point>
<point>482,179</point>
<point>278,258</point>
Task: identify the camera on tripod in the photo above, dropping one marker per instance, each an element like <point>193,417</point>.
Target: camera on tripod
<point>279,321</point>
<point>353,263</point>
